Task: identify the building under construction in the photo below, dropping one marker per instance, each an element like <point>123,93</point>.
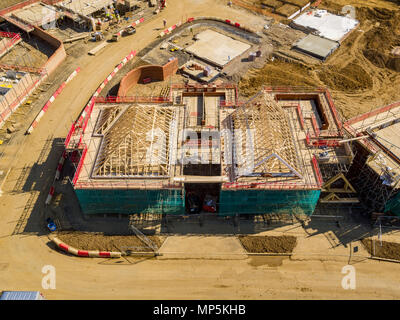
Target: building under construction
<point>375,172</point>
<point>197,148</point>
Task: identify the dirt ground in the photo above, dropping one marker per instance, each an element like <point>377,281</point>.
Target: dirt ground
<point>102,242</point>
<point>25,250</point>
<point>268,244</point>
<point>361,73</point>
<point>388,250</point>
<point>8,3</point>
<point>275,73</point>
<point>24,54</point>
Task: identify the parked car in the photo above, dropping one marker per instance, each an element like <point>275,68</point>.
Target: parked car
<point>130,30</point>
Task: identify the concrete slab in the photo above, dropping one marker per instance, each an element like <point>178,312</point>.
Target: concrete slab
<point>217,48</point>
<point>37,14</point>
<point>326,24</point>
<point>202,247</point>
<point>85,7</point>
<point>316,46</point>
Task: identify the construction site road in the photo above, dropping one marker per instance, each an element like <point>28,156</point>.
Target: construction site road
<point>23,256</point>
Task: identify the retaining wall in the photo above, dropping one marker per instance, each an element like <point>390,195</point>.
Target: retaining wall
<point>58,56</point>
<point>156,73</point>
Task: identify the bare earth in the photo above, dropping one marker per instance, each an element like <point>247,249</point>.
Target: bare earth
<point>313,272</point>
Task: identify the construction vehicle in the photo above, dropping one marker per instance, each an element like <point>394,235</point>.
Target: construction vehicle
<point>115,37</point>
<point>129,30</point>
<point>97,36</point>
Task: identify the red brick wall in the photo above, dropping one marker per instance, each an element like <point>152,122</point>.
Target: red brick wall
<point>170,68</point>
<point>156,73</point>
<point>58,56</point>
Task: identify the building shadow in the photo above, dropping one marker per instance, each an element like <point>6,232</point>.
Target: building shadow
<point>36,181</point>
<point>346,223</point>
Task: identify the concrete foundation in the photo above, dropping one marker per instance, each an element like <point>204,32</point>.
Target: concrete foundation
<point>217,48</point>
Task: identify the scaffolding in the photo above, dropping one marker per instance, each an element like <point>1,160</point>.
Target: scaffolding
<point>376,170</point>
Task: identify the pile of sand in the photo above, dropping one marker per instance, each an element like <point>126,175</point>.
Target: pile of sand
<point>268,244</point>
<point>380,40</point>
<point>389,250</point>
<point>276,73</point>
<point>102,242</point>
<point>350,78</point>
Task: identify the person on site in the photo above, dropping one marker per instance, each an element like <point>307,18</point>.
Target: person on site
<point>165,23</point>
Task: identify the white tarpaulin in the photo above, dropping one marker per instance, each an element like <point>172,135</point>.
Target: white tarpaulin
<point>328,25</point>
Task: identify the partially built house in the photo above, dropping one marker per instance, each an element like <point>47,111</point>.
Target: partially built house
<point>139,155</point>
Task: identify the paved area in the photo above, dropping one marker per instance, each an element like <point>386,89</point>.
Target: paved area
<point>200,247</point>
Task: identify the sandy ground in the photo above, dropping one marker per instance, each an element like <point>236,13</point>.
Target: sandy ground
<point>313,272</point>
<point>358,74</point>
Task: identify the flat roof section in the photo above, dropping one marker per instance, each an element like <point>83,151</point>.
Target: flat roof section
<point>85,7</point>
<point>37,14</point>
<point>217,48</point>
<point>326,24</point>
<point>317,47</point>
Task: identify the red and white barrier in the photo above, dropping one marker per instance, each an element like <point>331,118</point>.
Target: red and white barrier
<point>227,21</point>
<point>73,75</point>
<point>134,24</point>
<point>232,23</point>
<point>50,195</point>
<point>170,29</point>
<point>51,100</point>
<point>60,165</point>
<point>86,253</point>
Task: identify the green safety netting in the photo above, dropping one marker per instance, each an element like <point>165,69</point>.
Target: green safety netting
<point>268,201</point>
<point>131,201</point>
